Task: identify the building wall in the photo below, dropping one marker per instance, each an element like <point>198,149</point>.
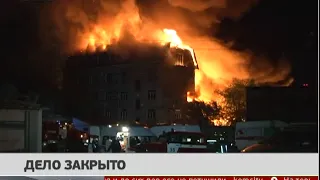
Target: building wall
<point>149,92</point>
<point>21,130</point>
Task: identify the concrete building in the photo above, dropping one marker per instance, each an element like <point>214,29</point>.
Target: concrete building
<point>107,88</point>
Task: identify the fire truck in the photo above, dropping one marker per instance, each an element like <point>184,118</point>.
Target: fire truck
<point>61,136</point>
<point>174,139</point>
<point>176,142</point>
<point>142,139</point>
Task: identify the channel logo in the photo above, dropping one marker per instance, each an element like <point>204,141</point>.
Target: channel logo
<point>274,178</point>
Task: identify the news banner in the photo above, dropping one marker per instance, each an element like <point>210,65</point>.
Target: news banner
<point>161,166</point>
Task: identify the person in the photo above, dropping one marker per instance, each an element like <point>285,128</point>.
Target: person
<point>108,142</point>
<point>95,145</point>
<point>115,146</point>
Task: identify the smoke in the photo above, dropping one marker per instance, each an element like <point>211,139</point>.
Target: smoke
<point>138,24</point>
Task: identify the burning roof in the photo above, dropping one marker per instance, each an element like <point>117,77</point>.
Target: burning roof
<point>94,25</point>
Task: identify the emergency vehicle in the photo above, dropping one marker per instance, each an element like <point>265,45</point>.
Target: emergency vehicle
<point>176,139</point>
<point>62,136</point>
<point>176,142</point>
<point>139,139</point>
<point>128,136</point>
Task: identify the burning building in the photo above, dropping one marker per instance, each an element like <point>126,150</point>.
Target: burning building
<point>148,86</point>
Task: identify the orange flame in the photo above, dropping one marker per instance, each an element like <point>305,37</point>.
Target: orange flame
<point>217,63</point>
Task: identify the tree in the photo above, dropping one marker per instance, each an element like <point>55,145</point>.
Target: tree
<point>201,112</point>
<point>234,103</point>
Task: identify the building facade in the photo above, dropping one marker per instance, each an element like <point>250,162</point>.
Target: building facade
<point>105,88</point>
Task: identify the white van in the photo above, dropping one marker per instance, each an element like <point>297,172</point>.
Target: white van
<point>252,132</point>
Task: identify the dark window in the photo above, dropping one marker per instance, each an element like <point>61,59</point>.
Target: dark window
<point>112,96</point>
<point>124,77</point>
<point>178,114</point>
<point>124,96</point>
<point>115,78</point>
<point>109,78</point>
<point>151,114</point>
<point>137,85</point>
<point>107,114</point>
<point>152,95</point>
<point>90,79</point>
<point>124,114</point>
<point>138,103</point>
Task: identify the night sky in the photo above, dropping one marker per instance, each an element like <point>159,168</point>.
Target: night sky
<point>272,28</point>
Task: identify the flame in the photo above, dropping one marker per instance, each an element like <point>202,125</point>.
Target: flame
<point>217,63</point>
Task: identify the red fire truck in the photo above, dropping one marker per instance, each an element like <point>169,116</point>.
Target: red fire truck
<point>61,136</point>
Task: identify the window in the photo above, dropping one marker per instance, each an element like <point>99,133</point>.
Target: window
<point>137,85</point>
<point>124,77</point>
<point>108,78</point>
<point>90,79</point>
<point>123,114</point>
<point>151,95</point>
<point>151,114</point>
<point>179,59</point>
<point>138,104</point>
<point>178,114</point>
<point>124,96</point>
<point>115,78</point>
<point>111,96</point>
<point>185,138</point>
<point>107,114</point>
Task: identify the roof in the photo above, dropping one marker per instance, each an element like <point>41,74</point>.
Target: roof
<point>21,105</point>
<point>185,132</point>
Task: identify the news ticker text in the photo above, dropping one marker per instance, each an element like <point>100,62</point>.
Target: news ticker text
<point>211,178</point>
<point>34,165</point>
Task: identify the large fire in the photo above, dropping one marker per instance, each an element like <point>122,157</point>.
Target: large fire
<point>217,63</point>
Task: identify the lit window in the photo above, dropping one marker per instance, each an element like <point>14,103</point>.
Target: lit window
<point>179,59</point>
